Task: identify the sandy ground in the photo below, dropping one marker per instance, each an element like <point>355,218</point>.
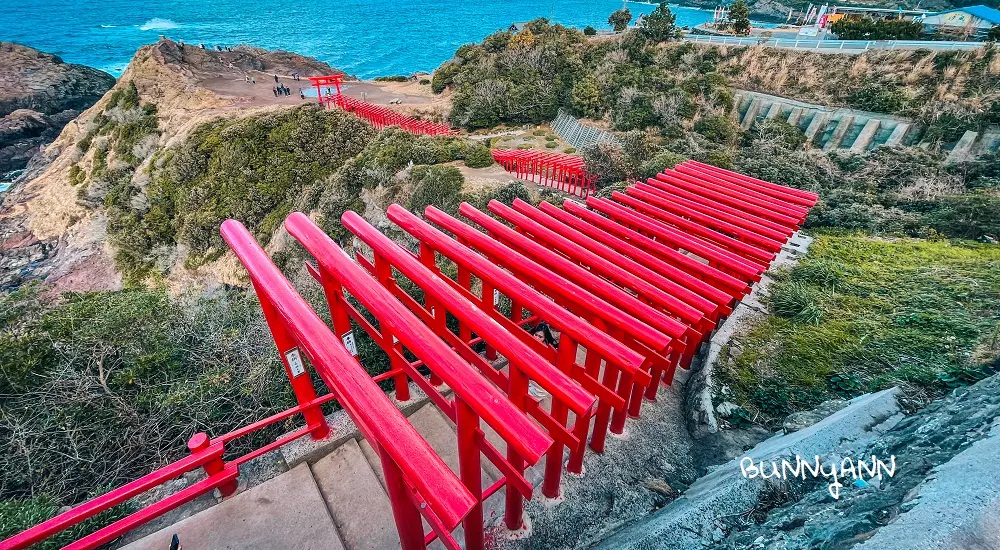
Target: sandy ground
<point>402,96</point>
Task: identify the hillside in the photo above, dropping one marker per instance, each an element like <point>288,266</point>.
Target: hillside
<point>53,223</point>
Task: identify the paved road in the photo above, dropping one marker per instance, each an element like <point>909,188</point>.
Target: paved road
<point>834,46</point>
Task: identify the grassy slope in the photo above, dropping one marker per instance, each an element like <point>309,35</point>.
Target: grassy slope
<point>862,313</point>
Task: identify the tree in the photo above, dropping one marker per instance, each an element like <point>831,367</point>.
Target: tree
<point>661,25</point>
<point>589,31</point>
<point>620,19</point>
<point>739,17</point>
<point>994,35</point>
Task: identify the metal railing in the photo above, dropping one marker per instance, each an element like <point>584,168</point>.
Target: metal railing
<point>851,45</point>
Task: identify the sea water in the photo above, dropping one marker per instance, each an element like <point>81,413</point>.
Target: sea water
<point>366,38</point>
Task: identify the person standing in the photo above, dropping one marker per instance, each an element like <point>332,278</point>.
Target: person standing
<point>275,91</point>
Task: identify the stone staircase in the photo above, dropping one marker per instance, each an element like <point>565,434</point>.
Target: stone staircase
<point>336,502</point>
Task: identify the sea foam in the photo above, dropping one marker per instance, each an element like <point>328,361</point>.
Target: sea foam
<point>157,24</point>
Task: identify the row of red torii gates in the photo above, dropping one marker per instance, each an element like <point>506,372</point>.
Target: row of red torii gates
<point>379,116</point>
<point>634,284</point>
<point>560,171</point>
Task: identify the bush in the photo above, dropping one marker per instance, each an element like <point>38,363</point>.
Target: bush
<point>440,186</point>
<point>662,161</point>
<point>718,129</point>
<point>252,169</point>
<point>123,379</point>
<point>589,31</point>
<point>774,133</point>
<point>551,145</point>
<point>973,216</point>
<point>478,157</point>
<point>866,28</point>
<point>393,78</point>
<point>880,97</point>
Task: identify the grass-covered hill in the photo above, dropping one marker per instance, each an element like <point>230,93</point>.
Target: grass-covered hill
<point>901,284</point>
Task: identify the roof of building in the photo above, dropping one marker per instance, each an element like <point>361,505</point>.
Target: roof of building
<point>983,12</point>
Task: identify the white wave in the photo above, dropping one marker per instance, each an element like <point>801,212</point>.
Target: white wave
<point>157,24</point>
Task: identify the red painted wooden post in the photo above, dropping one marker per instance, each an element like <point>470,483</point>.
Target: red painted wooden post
<point>404,510</point>
<point>300,380</point>
<point>470,470</point>
<point>199,443</point>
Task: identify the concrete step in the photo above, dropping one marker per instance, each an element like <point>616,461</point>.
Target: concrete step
<point>356,499</point>
<point>285,512</point>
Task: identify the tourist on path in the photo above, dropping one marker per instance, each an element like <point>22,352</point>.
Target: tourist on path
<point>275,91</point>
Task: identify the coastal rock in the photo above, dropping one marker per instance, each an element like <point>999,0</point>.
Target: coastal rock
<point>943,493</point>
<point>52,224</point>
<point>803,419</point>
<point>39,94</point>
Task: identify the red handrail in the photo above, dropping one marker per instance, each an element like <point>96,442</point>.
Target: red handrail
<point>377,418</point>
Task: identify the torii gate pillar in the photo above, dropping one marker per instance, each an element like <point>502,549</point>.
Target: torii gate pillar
<point>326,81</point>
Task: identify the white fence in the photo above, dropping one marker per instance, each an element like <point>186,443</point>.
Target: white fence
<point>834,44</point>
<point>576,134</point>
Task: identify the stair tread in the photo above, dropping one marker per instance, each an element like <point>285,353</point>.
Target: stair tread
<point>285,512</point>
<point>356,499</point>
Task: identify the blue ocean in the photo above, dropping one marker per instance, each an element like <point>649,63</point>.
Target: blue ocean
<point>366,38</point>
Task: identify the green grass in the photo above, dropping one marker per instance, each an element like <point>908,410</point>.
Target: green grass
<point>861,314</point>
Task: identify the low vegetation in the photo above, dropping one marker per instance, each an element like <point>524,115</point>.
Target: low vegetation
<point>640,80</point>
<point>97,389</point>
<point>861,314</point>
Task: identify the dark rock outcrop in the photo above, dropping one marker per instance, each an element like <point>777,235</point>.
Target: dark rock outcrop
<point>39,94</point>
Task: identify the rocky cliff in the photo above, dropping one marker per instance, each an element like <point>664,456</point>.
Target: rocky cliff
<point>39,94</point>
<point>53,224</point>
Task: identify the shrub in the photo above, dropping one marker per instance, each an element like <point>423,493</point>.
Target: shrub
<point>125,378</point>
<point>440,186</point>
<point>569,150</point>
<point>866,28</point>
<point>718,129</point>
<point>478,157</point>
<point>392,78</point>
<point>974,215</point>
<point>880,97</point>
<point>589,31</point>
<point>662,161</point>
<point>551,145</point>
<point>775,133</point>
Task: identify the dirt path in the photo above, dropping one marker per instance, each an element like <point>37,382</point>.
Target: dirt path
<point>399,95</point>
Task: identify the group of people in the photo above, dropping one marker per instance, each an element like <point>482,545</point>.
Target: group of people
<point>282,90</point>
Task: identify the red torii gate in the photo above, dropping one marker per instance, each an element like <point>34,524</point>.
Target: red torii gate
<point>320,82</point>
<point>557,170</point>
<point>635,284</point>
<point>378,115</point>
